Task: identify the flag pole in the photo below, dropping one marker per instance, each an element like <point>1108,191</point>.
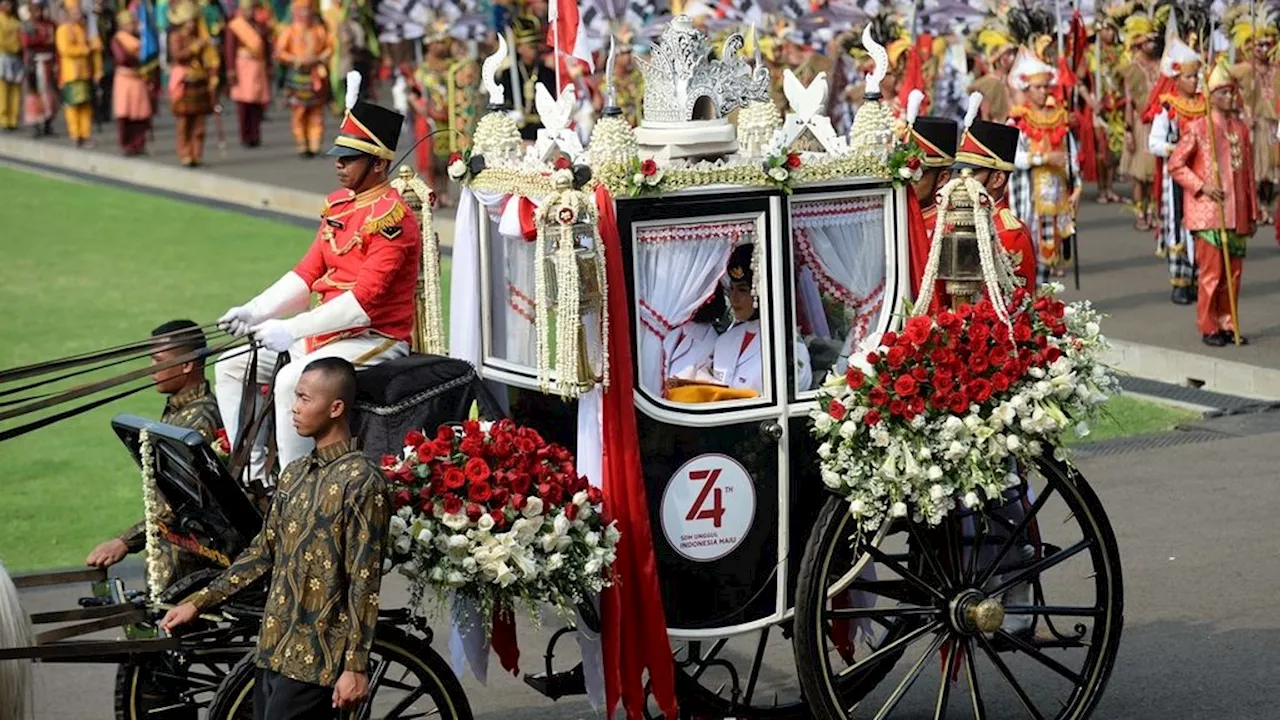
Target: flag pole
<point>553,16</point>
<point>1217,182</point>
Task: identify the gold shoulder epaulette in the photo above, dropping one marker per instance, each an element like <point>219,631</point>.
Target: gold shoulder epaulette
<point>387,211</point>
<point>1008,221</point>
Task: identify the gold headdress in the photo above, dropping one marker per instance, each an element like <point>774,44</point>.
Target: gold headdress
<point>1220,77</point>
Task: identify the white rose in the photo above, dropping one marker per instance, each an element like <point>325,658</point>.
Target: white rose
<point>455,578</point>
<point>532,507</point>
<point>561,525</point>
<point>611,534</point>
<point>503,575</point>
<point>404,513</point>
<point>1013,442</point>
<point>904,172</point>
<point>592,539</point>
<point>899,509</point>
<point>469,565</point>
<point>424,537</point>
<point>437,574</point>
<point>638,179</point>
<point>831,479</point>
<point>485,523</point>
<point>824,450</point>
<point>563,176</point>
<point>457,169</point>
<point>455,521</point>
<point>593,566</point>
<point>555,562</point>
<point>936,492</point>
<point>857,507</point>
<point>971,500</point>
<point>403,543</point>
<point>823,422</point>
<point>848,429</point>
<point>458,543</point>
<point>779,173</point>
<point>580,498</point>
<point>934,472</point>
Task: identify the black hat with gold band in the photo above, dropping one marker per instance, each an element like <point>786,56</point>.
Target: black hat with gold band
<point>937,137</point>
<point>988,145</point>
<point>366,128</point>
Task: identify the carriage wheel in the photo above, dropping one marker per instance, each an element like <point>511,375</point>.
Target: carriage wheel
<point>748,676</point>
<point>407,680</point>
<point>1015,611</point>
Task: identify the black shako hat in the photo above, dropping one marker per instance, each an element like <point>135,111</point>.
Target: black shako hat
<point>988,145</point>
<point>938,138</point>
<point>368,129</point>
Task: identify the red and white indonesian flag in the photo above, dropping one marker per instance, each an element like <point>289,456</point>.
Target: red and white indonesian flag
<point>569,35</point>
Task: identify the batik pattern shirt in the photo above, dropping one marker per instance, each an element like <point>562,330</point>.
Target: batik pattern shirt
<point>322,542</point>
<point>194,409</point>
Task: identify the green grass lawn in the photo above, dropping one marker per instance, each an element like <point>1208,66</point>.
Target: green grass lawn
<point>1124,416</point>
<point>85,267</point>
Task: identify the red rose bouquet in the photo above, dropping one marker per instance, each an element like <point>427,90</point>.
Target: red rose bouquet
<point>495,513</point>
<point>932,416</point>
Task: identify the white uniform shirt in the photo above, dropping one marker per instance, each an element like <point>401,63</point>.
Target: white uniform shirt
<point>688,349</point>
<point>736,360</point>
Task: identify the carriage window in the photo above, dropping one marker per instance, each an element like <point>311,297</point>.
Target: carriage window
<point>511,290</point>
<point>839,279</point>
<point>701,291</point>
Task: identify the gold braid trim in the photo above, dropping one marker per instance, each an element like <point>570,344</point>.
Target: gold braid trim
<point>390,218</point>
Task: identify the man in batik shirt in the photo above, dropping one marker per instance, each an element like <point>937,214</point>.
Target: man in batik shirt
<point>189,405</point>
<point>322,542</point>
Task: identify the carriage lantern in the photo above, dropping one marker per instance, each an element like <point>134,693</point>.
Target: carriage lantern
<point>960,264</point>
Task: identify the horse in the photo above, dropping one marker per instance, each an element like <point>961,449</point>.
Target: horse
<point>15,675</point>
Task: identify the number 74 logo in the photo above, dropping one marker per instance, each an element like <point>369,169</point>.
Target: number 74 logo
<point>715,513</point>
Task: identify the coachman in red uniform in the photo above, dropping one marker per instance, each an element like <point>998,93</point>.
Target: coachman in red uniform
<point>937,138</point>
<point>364,266</point>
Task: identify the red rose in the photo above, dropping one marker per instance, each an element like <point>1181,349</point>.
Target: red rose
<point>1022,332</point>
<point>1000,382</point>
<point>571,512</point>
<point>648,167</point>
<point>980,390</point>
<point>427,507</point>
<point>479,492</point>
<point>999,356</point>
<point>454,157</point>
<point>918,329</point>
<point>896,357</point>
<point>454,478</point>
<point>425,451</point>
<point>477,470</point>
<point>872,417</point>
<point>949,321</point>
<point>474,512</point>
<point>561,163</point>
<point>499,519</point>
<point>594,495</point>
<point>793,161</point>
<point>406,476</point>
<point>913,163</point>
<point>836,410</point>
<point>979,364</point>
<point>889,339</point>
<point>444,434</point>
<point>472,447</point>
<point>878,396</point>
<point>401,498</point>
<point>897,407</point>
<point>854,377</point>
<point>916,405</point>
<point>452,504</point>
<point>1052,354</point>
<point>499,497</point>
<point>873,358</point>
<point>959,403</point>
<point>518,501</point>
<point>905,386</point>
<point>920,373</point>
<point>389,462</point>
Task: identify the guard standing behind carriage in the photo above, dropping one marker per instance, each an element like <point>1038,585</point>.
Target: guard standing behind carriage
<point>364,265</point>
<point>322,542</point>
<point>189,404</point>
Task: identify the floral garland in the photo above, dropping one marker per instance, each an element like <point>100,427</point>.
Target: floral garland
<point>151,505</point>
<point>434,342</point>
<point>781,169</point>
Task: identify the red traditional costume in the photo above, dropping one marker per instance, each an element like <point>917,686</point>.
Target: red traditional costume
<point>130,93</point>
<point>39,54</point>
<point>363,264</point>
<point>1226,162</point>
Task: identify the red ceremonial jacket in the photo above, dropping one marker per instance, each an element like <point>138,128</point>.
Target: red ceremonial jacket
<point>1016,240</point>
<point>369,244</point>
<point>1192,168</point>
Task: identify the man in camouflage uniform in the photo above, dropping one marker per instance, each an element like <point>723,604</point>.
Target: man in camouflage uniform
<point>189,405</point>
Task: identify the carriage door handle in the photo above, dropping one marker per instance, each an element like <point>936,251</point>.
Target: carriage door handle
<point>771,430</point>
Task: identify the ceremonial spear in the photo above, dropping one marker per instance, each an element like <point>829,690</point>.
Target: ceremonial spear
<point>1071,176</point>
<point>1217,182</point>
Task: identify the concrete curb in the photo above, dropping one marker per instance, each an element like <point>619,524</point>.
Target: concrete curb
<point>194,185</point>
<point>147,174</point>
<point>1205,371</point>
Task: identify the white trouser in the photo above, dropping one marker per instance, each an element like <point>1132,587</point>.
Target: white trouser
<point>363,351</point>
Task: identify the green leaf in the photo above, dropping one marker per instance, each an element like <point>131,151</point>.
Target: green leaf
<point>475,411</point>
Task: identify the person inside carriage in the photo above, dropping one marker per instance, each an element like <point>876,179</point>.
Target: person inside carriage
<point>188,404</point>
<point>363,264</point>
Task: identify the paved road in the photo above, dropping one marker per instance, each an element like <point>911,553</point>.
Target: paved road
<point>1195,525</point>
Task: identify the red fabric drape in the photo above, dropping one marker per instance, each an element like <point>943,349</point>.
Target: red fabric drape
<point>1088,144</point>
<point>422,153</point>
<point>913,79</point>
<point>503,640</point>
<point>634,628</point>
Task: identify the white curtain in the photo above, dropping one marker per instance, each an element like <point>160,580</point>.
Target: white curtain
<point>841,243</point>
<point>464,301</point>
<point>678,267</point>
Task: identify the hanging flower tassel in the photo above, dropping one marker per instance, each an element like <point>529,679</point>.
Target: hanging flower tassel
<point>542,305</point>
<point>432,315</point>
<point>151,504</point>
<point>568,313</point>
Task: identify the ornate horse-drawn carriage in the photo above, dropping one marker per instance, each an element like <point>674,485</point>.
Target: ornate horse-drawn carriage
<point>585,295</point>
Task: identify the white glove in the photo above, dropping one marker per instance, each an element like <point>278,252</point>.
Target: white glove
<point>274,335</point>
<point>238,321</point>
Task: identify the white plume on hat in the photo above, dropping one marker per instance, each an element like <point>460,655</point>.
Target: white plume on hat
<point>975,106</point>
<point>1177,54</point>
<point>914,100</point>
<point>1028,66</point>
<point>353,88</point>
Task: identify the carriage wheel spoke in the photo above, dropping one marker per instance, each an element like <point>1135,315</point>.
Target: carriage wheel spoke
<point>944,685</point>
<point>755,667</point>
<point>910,679</point>
<point>902,571</point>
<point>1040,657</point>
<point>930,557</point>
<point>1053,610</point>
<point>375,681</point>
<point>886,650</point>
<point>880,612</point>
<point>703,662</point>
<point>404,704</point>
<point>980,523</point>
<point>1042,566</point>
<point>1029,706</point>
<point>1015,534</point>
<point>971,670</point>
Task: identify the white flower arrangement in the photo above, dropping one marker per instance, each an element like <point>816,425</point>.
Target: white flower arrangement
<point>915,427</point>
